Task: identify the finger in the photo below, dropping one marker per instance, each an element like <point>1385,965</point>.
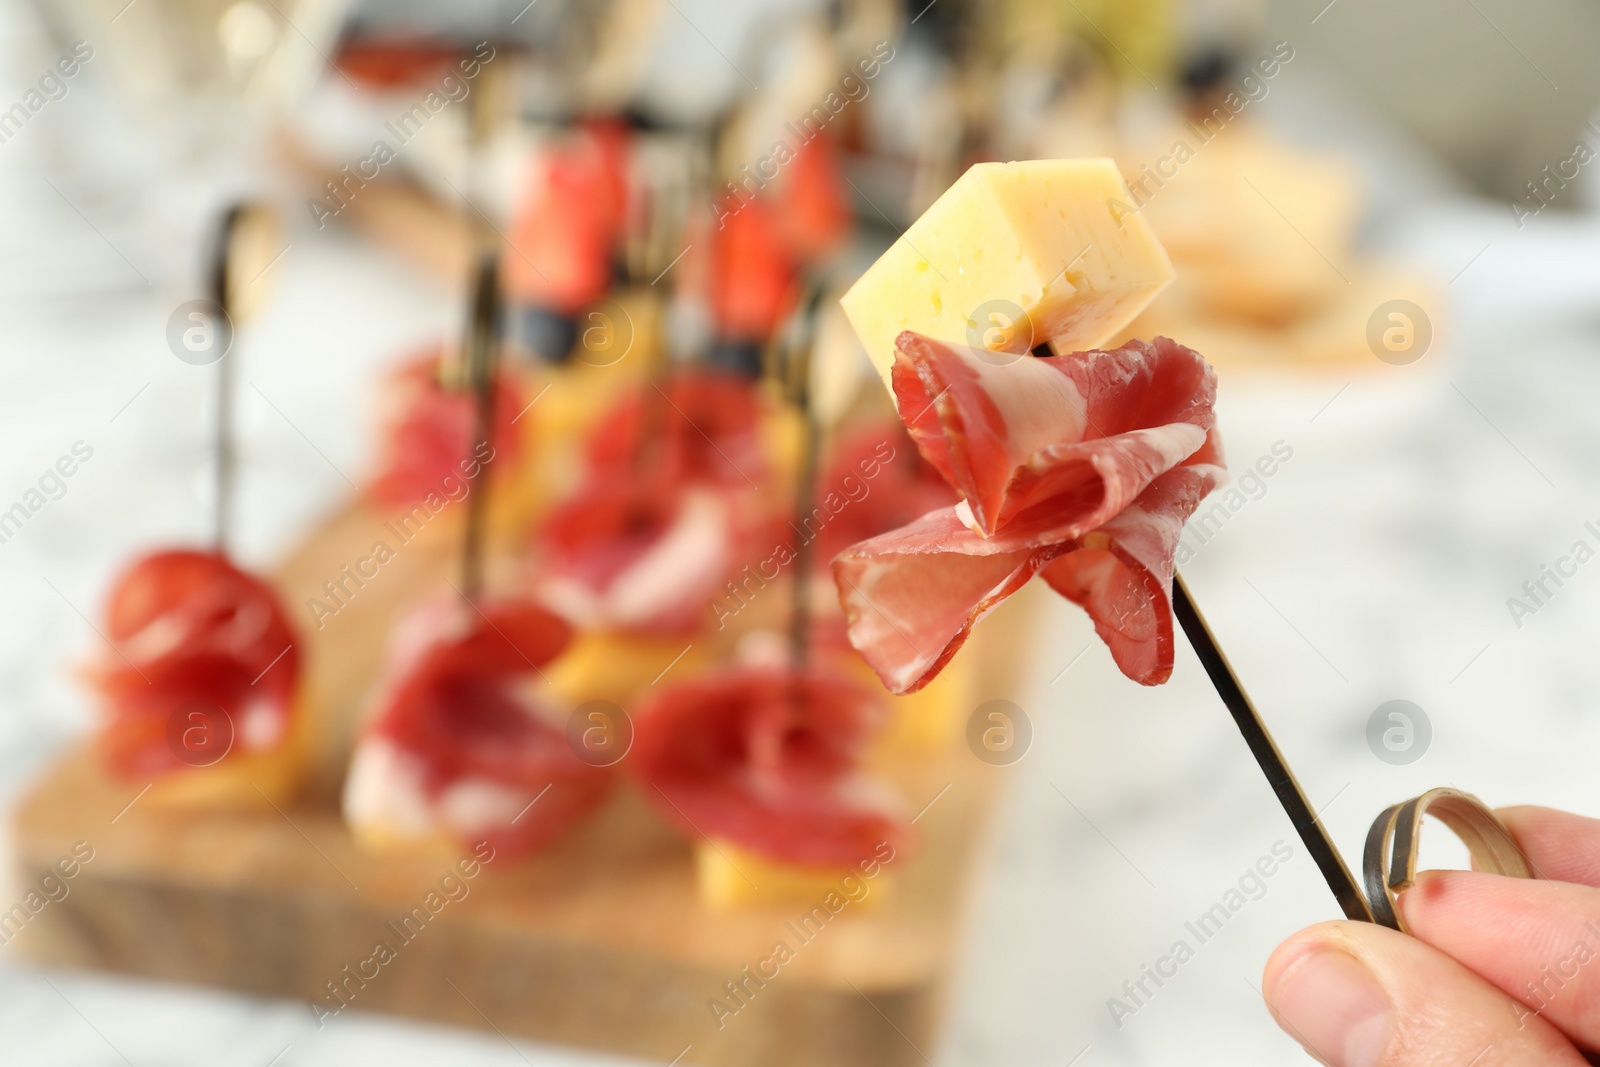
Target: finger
<point>1558,844</point>
<point>1535,940</point>
<point>1360,995</point>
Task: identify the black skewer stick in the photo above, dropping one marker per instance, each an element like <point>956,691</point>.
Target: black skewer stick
<point>480,351</point>
<point>1306,822</point>
<point>221,285</point>
<point>797,372</point>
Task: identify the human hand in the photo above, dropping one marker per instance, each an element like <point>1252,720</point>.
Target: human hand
<point>1499,971</point>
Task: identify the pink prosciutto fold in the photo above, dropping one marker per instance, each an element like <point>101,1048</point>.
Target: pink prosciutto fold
<point>1082,467</point>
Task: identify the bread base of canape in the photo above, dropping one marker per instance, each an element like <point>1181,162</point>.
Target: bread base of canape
<point>729,877</point>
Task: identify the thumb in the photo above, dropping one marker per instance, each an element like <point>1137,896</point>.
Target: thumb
<point>1360,995</point>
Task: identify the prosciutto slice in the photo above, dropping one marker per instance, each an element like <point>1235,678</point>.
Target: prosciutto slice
<point>565,232</point>
<point>697,425</point>
<point>427,433</point>
<point>460,743</point>
<point>639,556</point>
<point>669,511</point>
<point>769,760</point>
<point>1082,467</point>
<point>190,627</point>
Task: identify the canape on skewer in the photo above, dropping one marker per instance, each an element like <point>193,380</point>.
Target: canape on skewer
<point>464,745</point>
<point>873,481</point>
<point>761,767</point>
<point>200,689</point>
<point>671,507</point>
<point>565,233</point>
<point>427,462</point>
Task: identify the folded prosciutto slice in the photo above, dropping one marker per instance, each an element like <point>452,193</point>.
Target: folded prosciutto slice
<point>872,482</point>
<point>769,760</point>
<point>668,512</point>
<point>461,746</point>
<point>640,556</point>
<point>697,425</point>
<point>564,234</point>
<point>427,433</point>
<point>188,628</point>
<point>1082,467</point>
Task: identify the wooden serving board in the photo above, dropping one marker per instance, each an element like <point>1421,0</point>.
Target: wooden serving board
<point>599,942</point>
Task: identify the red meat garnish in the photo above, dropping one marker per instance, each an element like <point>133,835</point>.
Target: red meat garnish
<point>190,630</point>
<point>564,235</point>
<point>769,760</point>
<point>427,434</point>
<point>1082,467</point>
<point>460,707</point>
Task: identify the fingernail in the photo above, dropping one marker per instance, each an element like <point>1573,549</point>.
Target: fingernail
<point>1332,1005</point>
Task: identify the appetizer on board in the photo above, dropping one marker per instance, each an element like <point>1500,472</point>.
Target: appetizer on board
<point>762,768</point>
<point>199,688</point>
<point>428,454</point>
<point>464,745</point>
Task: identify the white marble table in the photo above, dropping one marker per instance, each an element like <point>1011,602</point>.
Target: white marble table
<point>1376,565</point>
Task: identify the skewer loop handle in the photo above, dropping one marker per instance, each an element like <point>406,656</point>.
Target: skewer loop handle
<point>1390,859</point>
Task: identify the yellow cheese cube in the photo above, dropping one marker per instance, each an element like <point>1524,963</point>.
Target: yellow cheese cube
<point>244,780</point>
<point>605,665</point>
<point>731,877</point>
<point>1012,256</point>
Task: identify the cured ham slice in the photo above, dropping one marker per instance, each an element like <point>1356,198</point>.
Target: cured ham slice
<point>427,432</point>
<point>1082,467</point>
<point>813,201</point>
<point>564,237</point>
<point>754,274</point>
<point>394,63</point>
<point>638,556</point>
<point>874,481</point>
<point>669,510</point>
<point>769,760</point>
<point>462,746</point>
<point>189,628</point>
<point>698,425</point>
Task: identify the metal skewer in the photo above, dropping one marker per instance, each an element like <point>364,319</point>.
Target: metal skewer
<point>221,285</point>
<point>241,253</point>
<point>796,370</point>
<point>1293,798</point>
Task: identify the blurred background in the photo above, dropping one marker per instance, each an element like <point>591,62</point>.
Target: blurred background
<point>1384,223</point>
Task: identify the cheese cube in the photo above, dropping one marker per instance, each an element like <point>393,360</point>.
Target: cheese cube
<point>727,877</point>
<point>1012,256</point>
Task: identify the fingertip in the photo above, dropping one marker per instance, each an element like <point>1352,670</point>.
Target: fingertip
<point>1429,888</point>
<point>1296,947</point>
<point>1324,993</point>
<point>1515,813</point>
